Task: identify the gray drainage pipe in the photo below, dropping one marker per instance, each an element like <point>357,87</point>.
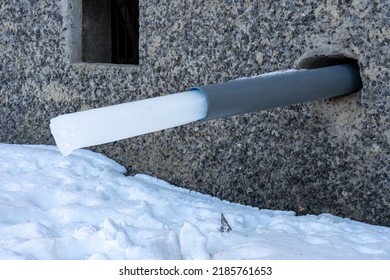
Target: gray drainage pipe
<point>113,123</point>
<point>279,89</point>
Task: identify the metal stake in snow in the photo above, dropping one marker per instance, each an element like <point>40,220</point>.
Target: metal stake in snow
<point>112,123</point>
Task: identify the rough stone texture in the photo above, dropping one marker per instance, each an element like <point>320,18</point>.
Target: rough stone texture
<point>329,156</point>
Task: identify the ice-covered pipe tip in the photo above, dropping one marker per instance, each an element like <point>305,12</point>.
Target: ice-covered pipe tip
<point>245,95</point>
<point>117,122</point>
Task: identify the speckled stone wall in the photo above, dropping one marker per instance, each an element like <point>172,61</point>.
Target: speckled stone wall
<point>329,156</point>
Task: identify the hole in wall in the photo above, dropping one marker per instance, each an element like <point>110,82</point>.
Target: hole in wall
<point>338,116</point>
<point>318,61</point>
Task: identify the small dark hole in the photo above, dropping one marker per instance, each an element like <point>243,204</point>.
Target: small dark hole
<point>331,60</point>
<point>324,61</point>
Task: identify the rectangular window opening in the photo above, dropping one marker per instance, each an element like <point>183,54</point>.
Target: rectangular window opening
<point>124,31</point>
<point>110,31</point>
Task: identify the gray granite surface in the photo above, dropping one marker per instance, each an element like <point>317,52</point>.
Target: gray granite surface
<point>329,156</point>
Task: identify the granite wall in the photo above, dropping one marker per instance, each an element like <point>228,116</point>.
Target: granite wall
<point>329,156</point>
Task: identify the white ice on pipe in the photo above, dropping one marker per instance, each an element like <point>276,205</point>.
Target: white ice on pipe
<point>117,122</point>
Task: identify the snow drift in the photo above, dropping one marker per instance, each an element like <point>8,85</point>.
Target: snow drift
<point>84,207</point>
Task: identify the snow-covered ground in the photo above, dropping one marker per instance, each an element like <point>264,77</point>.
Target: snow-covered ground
<point>84,207</point>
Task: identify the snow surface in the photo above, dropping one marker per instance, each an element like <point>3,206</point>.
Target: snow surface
<point>84,207</point>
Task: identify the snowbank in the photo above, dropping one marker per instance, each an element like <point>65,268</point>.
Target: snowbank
<point>84,207</point>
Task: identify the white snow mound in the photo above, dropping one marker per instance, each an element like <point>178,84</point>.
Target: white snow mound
<point>84,207</point>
